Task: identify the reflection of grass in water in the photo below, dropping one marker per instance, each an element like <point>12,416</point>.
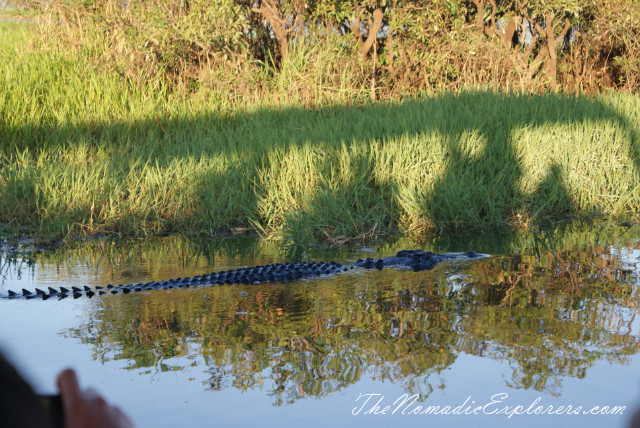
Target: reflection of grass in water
<point>135,260</point>
<point>84,151</point>
<point>564,307</point>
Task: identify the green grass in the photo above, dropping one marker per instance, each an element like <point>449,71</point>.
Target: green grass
<point>87,150</point>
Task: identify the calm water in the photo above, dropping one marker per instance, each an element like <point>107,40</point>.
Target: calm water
<point>550,318</point>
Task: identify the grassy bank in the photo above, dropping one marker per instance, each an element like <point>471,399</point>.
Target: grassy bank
<point>86,150</point>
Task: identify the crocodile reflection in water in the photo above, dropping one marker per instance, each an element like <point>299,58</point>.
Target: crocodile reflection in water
<point>411,259</point>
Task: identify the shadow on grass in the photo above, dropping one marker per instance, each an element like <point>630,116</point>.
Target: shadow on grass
<point>480,185</point>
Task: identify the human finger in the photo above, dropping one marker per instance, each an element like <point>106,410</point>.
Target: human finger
<point>69,388</point>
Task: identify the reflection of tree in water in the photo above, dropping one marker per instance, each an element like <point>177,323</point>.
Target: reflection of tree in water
<point>560,312</point>
<point>550,316</point>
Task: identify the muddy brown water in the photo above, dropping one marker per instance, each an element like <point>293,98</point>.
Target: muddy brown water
<point>549,320</point>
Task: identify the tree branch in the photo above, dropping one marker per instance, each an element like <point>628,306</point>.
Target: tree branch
<point>355,27</point>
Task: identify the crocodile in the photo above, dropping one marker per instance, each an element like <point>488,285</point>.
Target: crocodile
<point>416,260</point>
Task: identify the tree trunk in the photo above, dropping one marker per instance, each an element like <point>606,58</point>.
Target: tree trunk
<point>479,21</point>
<point>372,34</point>
<point>271,14</point>
<point>551,64</point>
